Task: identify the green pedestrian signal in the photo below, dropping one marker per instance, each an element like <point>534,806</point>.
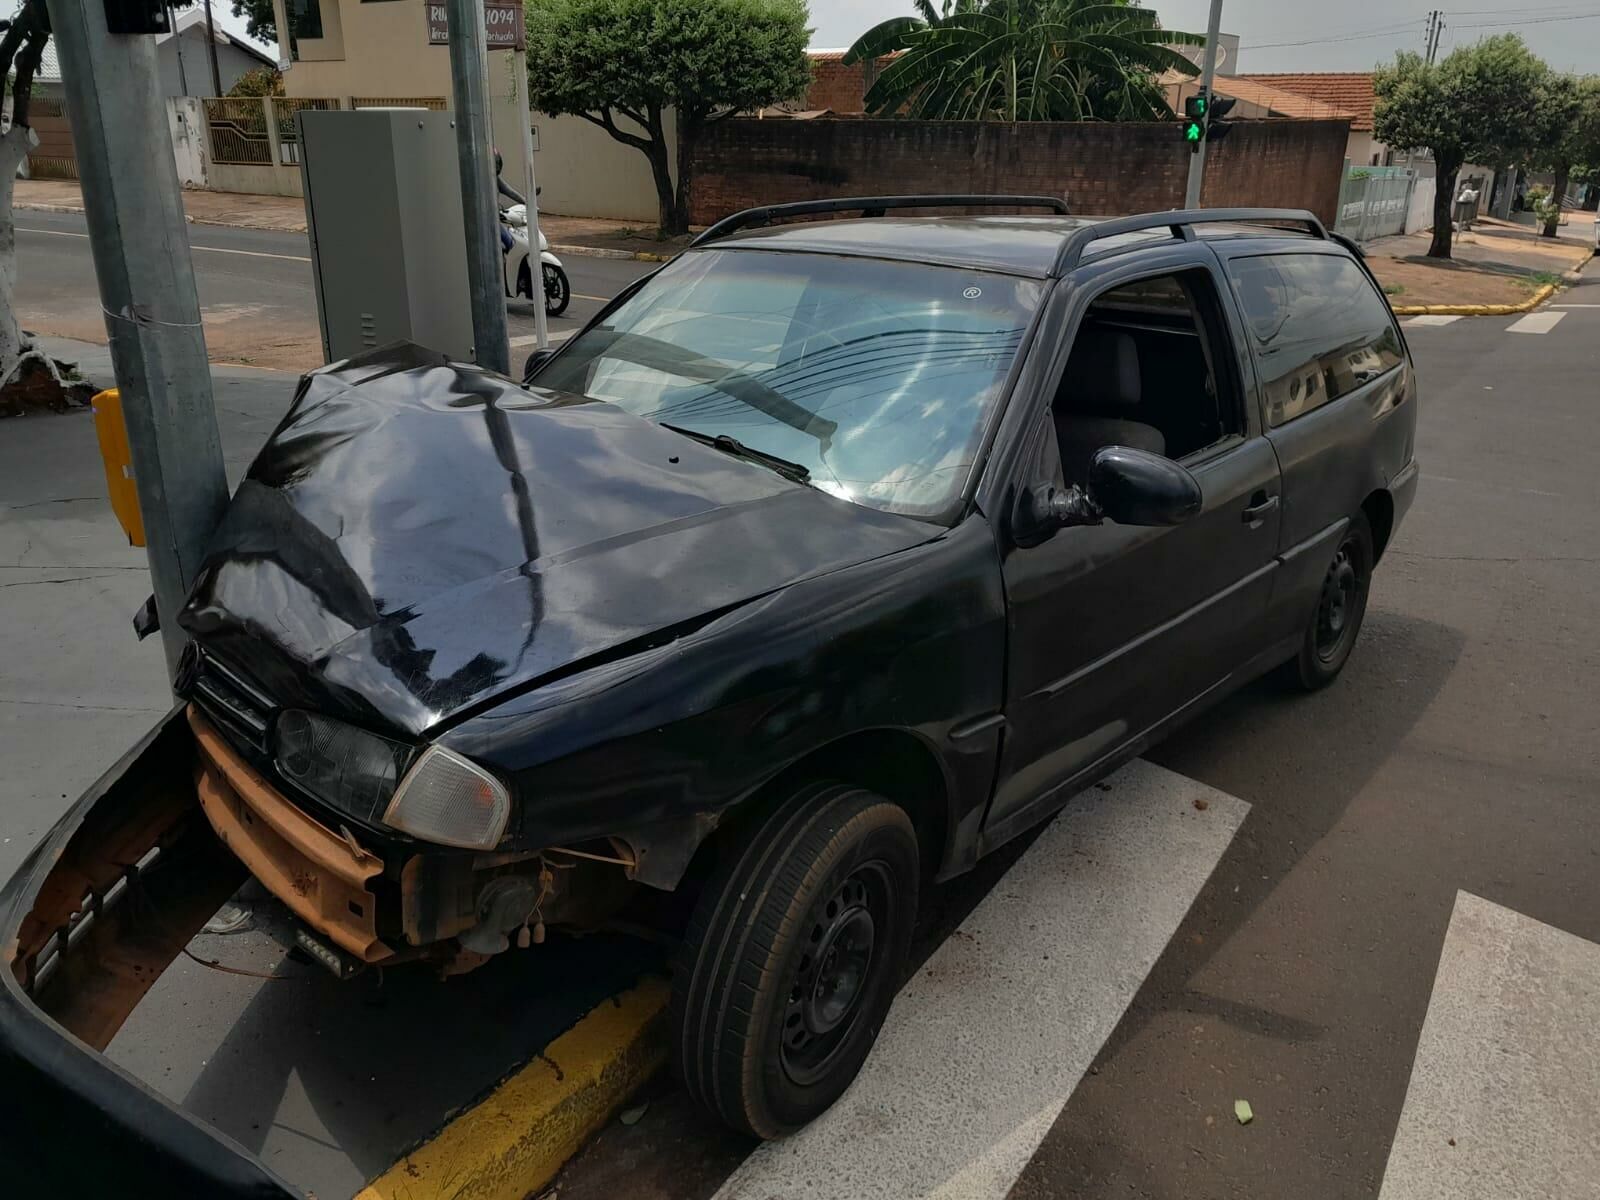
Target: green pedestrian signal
<point>1193,131</point>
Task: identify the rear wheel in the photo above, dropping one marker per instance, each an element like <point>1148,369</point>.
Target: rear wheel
<point>1330,635</point>
<point>792,958</point>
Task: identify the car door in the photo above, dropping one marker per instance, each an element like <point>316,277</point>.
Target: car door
<point>1111,629</point>
<point>1333,370</point>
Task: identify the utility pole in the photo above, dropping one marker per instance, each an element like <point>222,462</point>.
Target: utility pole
<point>541,326</point>
<point>141,260</point>
<point>475,159</point>
<point>1197,161</point>
<point>1435,28</point>
<point>177,46</point>
<point>211,52</point>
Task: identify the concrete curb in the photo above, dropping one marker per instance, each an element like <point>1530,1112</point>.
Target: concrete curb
<point>604,252</point>
<point>1475,310</point>
<point>515,1140</point>
<point>78,209</point>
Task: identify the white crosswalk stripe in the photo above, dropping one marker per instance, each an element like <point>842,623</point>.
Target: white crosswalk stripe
<point>1432,320</point>
<point>1502,1100</point>
<point>529,339</point>
<point>985,1045</point>
<point>1537,322</point>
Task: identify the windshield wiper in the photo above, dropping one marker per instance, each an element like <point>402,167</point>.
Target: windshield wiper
<point>798,472</point>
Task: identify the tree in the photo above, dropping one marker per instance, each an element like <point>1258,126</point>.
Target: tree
<point>259,22</point>
<point>1475,104</point>
<point>1024,60</point>
<point>610,61</point>
<point>258,81</point>
<point>1565,135</point>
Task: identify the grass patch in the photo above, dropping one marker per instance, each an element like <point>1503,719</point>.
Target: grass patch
<point>1394,289</point>
<point>1538,279</point>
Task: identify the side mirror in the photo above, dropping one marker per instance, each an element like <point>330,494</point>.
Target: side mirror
<point>1127,486</point>
<point>535,363</point>
<point>1135,487</point>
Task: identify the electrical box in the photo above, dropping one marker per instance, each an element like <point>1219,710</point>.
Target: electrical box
<point>136,16</point>
<point>388,240</point>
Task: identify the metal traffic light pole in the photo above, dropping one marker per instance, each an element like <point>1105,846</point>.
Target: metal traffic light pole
<point>140,243</point>
<point>1197,161</point>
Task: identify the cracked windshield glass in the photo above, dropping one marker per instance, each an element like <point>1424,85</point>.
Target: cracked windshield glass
<point>878,378</point>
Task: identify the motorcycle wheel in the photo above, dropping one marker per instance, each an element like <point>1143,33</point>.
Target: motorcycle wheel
<point>557,291</point>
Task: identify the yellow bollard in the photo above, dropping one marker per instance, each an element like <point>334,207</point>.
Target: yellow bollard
<point>114,450</point>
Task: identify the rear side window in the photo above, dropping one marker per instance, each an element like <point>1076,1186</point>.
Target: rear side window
<point>1319,327</point>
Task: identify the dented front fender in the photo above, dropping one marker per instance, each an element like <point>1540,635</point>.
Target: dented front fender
<point>88,923</point>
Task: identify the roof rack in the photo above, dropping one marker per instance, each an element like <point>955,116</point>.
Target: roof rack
<point>1179,221</point>
<point>871,206</point>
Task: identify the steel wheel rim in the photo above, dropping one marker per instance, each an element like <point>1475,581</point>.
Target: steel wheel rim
<point>1337,606</point>
<point>554,288</point>
<point>826,991</point>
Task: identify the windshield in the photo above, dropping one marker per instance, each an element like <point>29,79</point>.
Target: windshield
<point>876,377</point>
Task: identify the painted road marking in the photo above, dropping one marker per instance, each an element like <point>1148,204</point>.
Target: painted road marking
<point>530,339</point>
<point>1575,306</point>
<point>984,1046</point>
<point>1539,322</point>
<point>1502,1100</point>
<point>208,249</point>
<point>1432,320</point>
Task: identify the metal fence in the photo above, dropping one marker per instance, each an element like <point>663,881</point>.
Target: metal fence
<point>284,110</point>
<point>238,128</point>
<point>437,103</point>
<point>1373,201</point>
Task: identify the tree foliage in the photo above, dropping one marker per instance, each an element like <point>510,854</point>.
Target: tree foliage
<point>1024,60</point>
<point>626,64</point>
<point>1479,103</point>
<point>259,22</point>
<point>258,81</point>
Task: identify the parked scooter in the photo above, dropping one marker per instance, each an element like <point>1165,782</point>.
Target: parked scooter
<point>518,271</point>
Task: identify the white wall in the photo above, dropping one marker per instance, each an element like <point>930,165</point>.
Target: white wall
<point>1420,214</point>
<point>186,118</point>
<point>584,172</point>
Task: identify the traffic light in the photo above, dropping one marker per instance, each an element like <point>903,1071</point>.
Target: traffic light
<point>1203,119</point>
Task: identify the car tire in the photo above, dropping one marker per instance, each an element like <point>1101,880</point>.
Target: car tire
<point>792,957</point>
<point>1341,606</point>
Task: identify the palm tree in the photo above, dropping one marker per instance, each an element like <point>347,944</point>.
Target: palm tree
<point>1024,60</point>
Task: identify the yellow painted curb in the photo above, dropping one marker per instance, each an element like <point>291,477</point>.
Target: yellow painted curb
<point>514,1141</point>
<point>1475,310</point>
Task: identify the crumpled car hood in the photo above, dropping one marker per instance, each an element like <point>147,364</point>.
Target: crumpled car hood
<point>419,536</point>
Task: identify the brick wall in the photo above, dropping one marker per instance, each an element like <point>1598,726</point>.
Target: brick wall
<point>838,87</point>
<point>1101,167</point>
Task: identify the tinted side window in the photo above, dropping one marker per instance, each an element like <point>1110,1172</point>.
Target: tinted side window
<point>1319,327</point>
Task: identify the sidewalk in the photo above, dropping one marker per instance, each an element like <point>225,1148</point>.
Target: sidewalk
<point>1497,263</point>
<point>567,235</point>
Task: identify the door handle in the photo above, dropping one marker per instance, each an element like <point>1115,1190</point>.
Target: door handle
<point>1260,505</point>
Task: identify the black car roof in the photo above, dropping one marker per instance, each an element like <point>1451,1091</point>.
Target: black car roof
<point>1016,245</point>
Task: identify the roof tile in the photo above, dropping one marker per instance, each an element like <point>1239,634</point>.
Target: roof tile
<point>1347,90</point>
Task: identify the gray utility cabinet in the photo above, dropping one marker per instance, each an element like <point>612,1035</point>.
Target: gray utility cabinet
<point>388,245</point>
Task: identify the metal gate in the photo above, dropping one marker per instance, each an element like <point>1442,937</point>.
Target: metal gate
<point>1373,201</point>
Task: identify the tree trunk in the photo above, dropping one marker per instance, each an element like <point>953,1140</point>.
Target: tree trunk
<point>688,135</point>
<point>666,196</point>
<point>14,147</point>
<point>1444,198</point>
<point>1557,190</point>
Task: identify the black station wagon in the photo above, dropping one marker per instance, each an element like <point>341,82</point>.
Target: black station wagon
<point>824,561</point>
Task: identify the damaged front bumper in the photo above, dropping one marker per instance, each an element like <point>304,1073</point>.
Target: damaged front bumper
<point>88,923</point>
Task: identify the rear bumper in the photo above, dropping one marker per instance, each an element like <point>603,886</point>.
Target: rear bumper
<point>88,923</point>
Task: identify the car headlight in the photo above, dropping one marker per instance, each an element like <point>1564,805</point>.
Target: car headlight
<point>447,799</point>
<point>349,768</point>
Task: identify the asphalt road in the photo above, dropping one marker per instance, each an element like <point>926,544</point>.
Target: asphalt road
<point>256,295</point>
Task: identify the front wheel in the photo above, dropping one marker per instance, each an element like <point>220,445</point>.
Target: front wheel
<point>557,291</point>
<point>792,958</point>
<point>1330,634</point>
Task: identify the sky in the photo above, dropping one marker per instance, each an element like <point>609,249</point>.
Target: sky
<point>1313,35</point>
